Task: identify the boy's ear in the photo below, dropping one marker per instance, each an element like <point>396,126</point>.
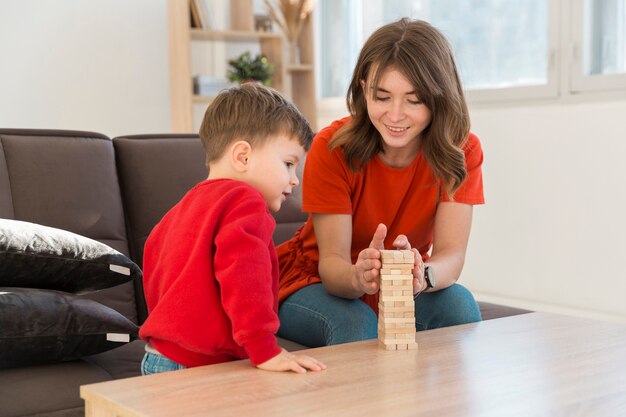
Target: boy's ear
<point>239,154</point>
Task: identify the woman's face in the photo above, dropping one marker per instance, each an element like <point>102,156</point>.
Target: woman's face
<point>397,112</point>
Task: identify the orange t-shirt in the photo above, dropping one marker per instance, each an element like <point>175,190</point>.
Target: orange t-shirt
<point>404,199</point>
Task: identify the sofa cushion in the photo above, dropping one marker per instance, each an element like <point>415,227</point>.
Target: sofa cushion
<point>121,362</point>
<point>44,326</point>
<point>36,256</point>
<point>47,390</point>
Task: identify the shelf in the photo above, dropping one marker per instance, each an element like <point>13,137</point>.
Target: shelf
<point>232,35</point>
<point>295,81</point>
<point>299,68</point>
<point>202,99</point>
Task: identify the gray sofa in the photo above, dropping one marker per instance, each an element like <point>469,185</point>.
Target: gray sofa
<point>113,191</point>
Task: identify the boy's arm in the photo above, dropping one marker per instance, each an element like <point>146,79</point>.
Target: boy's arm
<point>245,265</point>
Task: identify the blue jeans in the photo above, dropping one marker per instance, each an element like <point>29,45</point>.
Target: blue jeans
<point>314,318</point>
<point>154,364</point>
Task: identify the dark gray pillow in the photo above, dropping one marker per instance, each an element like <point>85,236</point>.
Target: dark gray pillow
<point>44,326</point>
<point>36,256</point>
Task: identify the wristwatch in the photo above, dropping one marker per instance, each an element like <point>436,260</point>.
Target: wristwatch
<point>429,276</point>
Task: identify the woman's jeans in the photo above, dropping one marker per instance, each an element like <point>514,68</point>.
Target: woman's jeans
<point>314,318</point>
<point>153,363</point>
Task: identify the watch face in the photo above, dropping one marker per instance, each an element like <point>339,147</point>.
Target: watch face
<point>429,275</point>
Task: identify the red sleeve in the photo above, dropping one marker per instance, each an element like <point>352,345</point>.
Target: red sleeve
<point>247,272</point>
<point>471,191</point>
<point>326,178</point>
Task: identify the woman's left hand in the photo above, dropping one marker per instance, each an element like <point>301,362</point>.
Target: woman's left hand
<point>419,283</point>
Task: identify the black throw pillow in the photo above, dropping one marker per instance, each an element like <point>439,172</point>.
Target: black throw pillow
<point>36,256</point>
<point>43,326</point>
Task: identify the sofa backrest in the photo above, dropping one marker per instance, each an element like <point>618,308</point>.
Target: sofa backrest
<point>155,172</point>
<point>67,180</point>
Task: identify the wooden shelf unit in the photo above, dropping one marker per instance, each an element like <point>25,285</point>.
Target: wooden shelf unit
<point>297,81</point>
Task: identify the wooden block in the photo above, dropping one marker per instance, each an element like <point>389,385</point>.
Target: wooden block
<point>384,292</point>
<point>409,324</point>
<point>397,288</point>
<point>412,346</point>
<point>388,270</point>
<point>397,256</point>
<point>398,319</point>
<point>397,277</point>
<point>398,331</point>
<point>397,341</point>
<point>402,347</point>
<point>386,255</point>
<point>396,309</point>
<point>397,298</point>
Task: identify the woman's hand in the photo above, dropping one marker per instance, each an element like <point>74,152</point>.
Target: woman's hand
<point>367,267</point>
<point>419,283</point>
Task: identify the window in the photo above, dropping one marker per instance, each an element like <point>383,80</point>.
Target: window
<point>505,49</point>
<point>497,44</point>
<point>599,45</point>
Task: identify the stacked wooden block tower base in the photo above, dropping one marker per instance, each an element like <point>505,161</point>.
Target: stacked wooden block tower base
<point>396,307</point>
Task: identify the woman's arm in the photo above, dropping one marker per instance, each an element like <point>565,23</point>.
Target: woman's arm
<point>339,276</point>
<point>453,222</point>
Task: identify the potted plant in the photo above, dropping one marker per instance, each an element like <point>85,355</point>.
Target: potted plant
<point>246,69</point>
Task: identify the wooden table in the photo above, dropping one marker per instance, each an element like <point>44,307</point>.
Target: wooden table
<point>534,364</point>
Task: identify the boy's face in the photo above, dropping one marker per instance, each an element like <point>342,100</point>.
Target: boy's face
<point>273,169</point>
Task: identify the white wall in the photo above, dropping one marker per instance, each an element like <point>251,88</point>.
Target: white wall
<point>98,65</point>
<point>552,235</point>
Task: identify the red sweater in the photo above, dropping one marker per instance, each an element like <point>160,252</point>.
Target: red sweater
<point>211,277</point>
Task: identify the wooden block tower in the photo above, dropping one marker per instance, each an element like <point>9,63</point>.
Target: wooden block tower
<point>396,308</point>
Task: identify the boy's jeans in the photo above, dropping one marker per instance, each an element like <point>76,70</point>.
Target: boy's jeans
<point>154,363</point>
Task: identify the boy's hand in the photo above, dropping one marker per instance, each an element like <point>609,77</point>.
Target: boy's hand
<point>286,361</point>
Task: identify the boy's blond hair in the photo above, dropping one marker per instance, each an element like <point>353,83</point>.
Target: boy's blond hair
<point>253,113</point>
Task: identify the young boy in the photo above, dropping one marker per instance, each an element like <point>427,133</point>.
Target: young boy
<point>210,267</point>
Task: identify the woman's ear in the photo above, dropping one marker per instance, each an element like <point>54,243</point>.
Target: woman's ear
<point>364,88</point>
<point>239,155</point>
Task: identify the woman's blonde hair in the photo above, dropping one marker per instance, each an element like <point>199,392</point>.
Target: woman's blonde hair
<point>422,54</point>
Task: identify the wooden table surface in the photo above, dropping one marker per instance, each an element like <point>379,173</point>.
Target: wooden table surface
<point>535,364</point>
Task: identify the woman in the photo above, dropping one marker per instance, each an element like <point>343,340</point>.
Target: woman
<point>403,171</point>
